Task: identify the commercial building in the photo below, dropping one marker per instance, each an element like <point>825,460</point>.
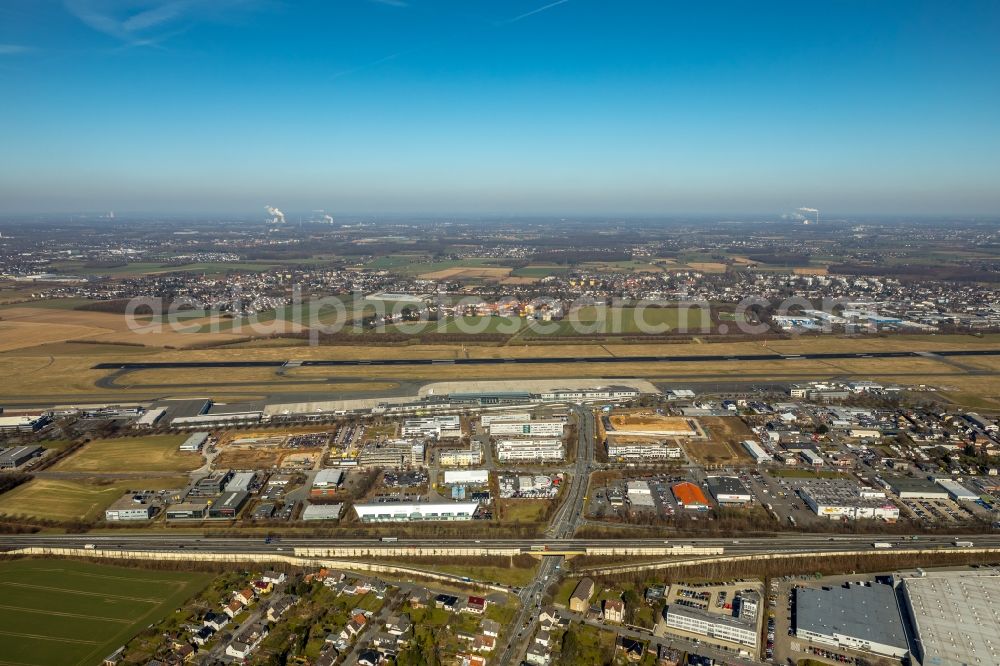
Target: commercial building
<point>130,507</point>
<point>487,419</point>
<point>690,496</point>
<point>855,617</point>
<point>188,511</point>
<point>636,450</point>
<point>322,512</point>
<point>917,489</point>
<point>471,476</point>
<point>728,490</point>
<point>542,428</point>
<point>440,427</point>
<point>528,450</point>
<point>597,393</point>
<point>845,499</point>
<point>228,505</point>
<point>462,457</point>
<point>954,617</point>
<point>13,458</point>
<point>150,418</point>
<point>395,513</point>
<point>755,450</point>
<point>195,442</point>
<point>218,420</point>
<point>392,453</point>
<point>241,482</point>
<point>812,458</point>
<point>211,485</point>
<point>639,494</point>
<point>327,482</point>
<point>957,491</point>
<point>24,423</point>
<point>739,630</point>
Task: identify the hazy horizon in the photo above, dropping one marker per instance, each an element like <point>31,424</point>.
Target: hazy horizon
<point>528,107</point>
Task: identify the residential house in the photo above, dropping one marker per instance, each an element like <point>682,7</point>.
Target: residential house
<point>614,611</point>
<point>579,601</point>
<point>279,607</point>
<point>233,608</point>
<point>537,656</point>
<point>274,577</point>
<point>543,638</point>
<point>484,643</point>
<point>490,628</point>
<point>475,605</point>
<point>398,625</point>
<point>245,596</point>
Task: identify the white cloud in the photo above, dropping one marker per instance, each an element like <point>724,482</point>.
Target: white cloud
<point>14,49</point>
<point>146,22</point>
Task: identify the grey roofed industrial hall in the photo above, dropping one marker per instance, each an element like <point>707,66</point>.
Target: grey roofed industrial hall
<point>956,617</point>
<point>868,613</point>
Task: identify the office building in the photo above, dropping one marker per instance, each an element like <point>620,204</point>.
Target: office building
<point>529,450</point>
<point>856,616</point>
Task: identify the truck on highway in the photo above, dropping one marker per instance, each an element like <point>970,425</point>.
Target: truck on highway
<point>881,545</point>
<point>389,539</point>
<point>89,546</point>
<point>963,544</point>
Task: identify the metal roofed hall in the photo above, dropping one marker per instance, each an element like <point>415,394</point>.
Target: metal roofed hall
<point>855,614</point>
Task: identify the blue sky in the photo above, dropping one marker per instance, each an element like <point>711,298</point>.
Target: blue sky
<point>521,106</point>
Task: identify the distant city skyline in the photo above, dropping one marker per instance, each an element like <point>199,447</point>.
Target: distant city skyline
<point>523,107</point>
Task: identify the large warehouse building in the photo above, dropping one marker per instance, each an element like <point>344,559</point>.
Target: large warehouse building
<point>854,617</point>
<point>728,490</point>
<point>845,499</point>
<point>397,513</point>
<point>917,488</point>
<point>13,458</point>
<point>954,616</point>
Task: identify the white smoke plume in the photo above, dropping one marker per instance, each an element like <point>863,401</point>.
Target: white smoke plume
<point>328,219</point>
<point>277,217</point>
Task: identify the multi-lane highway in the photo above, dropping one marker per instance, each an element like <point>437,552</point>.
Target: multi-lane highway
<point>153,541</point>
<point>532,360</point>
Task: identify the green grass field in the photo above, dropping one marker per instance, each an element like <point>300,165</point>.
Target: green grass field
<point>156,453</point>
<point>68,500</point>
<point>592,320</point>
<point>68,613</point>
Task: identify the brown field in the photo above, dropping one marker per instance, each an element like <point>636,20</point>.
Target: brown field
<point>708,266</point>
<point>27,327</point>
<point>242,457</point>
<point>22,334</point>
<point>641,421</point>
<point>812,270</point>
<point>723,446</point>
<point>468,273</point>
<point>520,280</point>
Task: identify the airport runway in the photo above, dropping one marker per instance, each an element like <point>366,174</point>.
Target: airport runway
<point>713,358</point>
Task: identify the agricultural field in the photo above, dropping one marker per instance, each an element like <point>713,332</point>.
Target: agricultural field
<point>71,500</point>
<point>591,320</point>
<point>68,613</point>
<point>157,453</point>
